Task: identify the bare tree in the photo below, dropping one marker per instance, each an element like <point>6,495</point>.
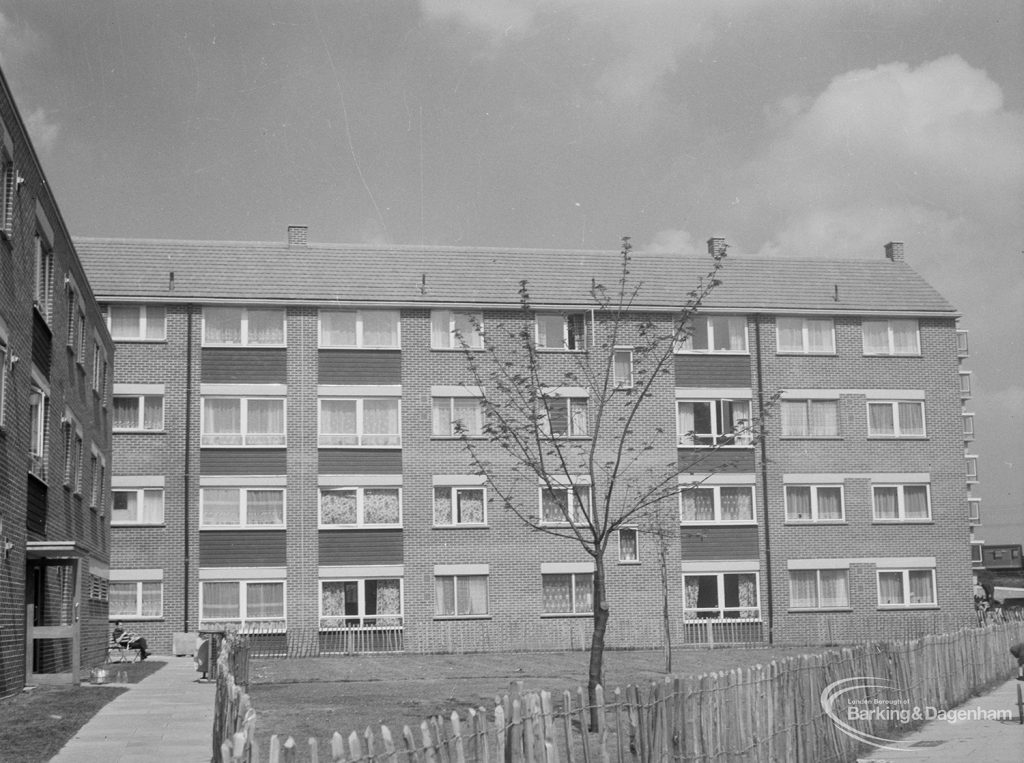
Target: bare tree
<point>584,426</point>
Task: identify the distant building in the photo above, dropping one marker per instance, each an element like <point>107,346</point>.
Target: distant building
<point>1002,558</point>
<point>55,432</point>
<point>282,462</point>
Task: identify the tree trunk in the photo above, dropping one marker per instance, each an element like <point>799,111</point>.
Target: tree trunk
<point>596,675</point>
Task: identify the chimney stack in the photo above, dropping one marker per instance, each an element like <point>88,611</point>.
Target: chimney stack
<point>717,246</point>
<point>297,235</point>
<point>894,251</point>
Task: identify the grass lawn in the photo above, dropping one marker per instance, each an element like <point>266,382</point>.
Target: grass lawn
<point>318,696</point>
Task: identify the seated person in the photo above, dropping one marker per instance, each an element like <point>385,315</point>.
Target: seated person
<point>130,640</point>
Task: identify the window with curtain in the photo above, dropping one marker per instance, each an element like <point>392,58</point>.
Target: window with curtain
<point>906,588</point>
<point>243,326</point>
<point>138,506</point>
<point>454,416</point>
<point>716,333</point>
<point>558,503</point>
<point>135,599</point>
<point>720,596</point>
<point>136,322</point>
<point>455,506</point>
<point>558,331</point>
<point>369,602</point>
<point>371,329</point>
<point>623,368</point>
<point>819,589</point>
<point>568,594</point>
<point>221,601</point>
<point>806,335</point>
<point>891,337</point>
<point>241,507</point>
<point>564,417</point>
<point>361,422</point>
<point>629,547</point>
<point>717,503</point>
<point>454,330</point>
<point>360,506</point>
<point>243,422</point>
<point>460,596</point>
<point>264,600</point>
<point>814,503</point>
<point>139,413</point>
<point>810,418</point>
<point>901,502</point>
<point>896,418</point>
<point>242,601</point>
<point>707,423</point>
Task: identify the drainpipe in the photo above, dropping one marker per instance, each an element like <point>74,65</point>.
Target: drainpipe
<point>764,482</point>
<point>188,455</point>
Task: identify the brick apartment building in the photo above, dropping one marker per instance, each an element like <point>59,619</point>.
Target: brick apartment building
<point>55,432</point>
<point>284,460</point>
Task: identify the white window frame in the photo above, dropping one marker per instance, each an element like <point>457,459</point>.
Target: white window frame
<point>901,507</point>
<point>244,434</point>
<point>906,603</point>
<point>99,473</point>
<point>244,339</point>
<point>897,432</point>
<point>717,492</point>
<point>455,585</point>
<point>567,318</point>
<point>572,593</point>
<point>817,605</point>
<point>891,351</point>
<point>140,400</point>
<point>43,295</point>
<point>573,506</point>
<point>243,507</point>
<point>693,615</point>
<point>636,545</point>
<point>360,522</point>
<point>473,341</point>
<point>742,440</point>
<point>74,445</point>
<point>454,491</point>
<point>360,432</point>
<point>971,468</point>
<point>5,371</point>
<point>470,431</point>
<point>806,403</point>
<point>139,586</point>
<point>243,605</point>
<point>143,322</point>
<point>805,334</point>
<point>8,183</point>
<point>618,382</point>
<point>140,497</point>
<point>552,401</point>
<point>974,511</point>
<point>38,460</point>
<point>814,488</point>
<point>362,617</point>
<point>685,347</point>
<point>360,341</point>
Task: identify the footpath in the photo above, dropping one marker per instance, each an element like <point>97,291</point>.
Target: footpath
<point>165,718</point>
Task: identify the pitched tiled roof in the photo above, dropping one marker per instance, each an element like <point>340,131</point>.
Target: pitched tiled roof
<point>208,271</point>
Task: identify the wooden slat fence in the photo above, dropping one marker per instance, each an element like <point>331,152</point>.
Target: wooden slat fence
<point>765,712</point>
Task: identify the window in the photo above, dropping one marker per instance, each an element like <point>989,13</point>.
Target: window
<point>716,333</point>
<point>891,337</point>
<point>629,547</point>
<point>901,503</point>
<point>967,419</point>
<point>717,503</point>
<point>139,413</point>
<point>460,506</point>
<point>455,416</point>
<point>720,595</point>
<point>136,599</point>
<point>5,371</point>
<point>99,369</point>
<point>241,601</point>
<point>819,589</point>
<point>806,335</point>
<point>243,326</point>
<point>810,418</point>
<point>460,595</point>
<point>971,468</point>
<point>44,278</point>
<point>556,504</point>
<point>39,414</point>
<point>564,417</point>
<point>976,554</point>
<point>361,422</point>
<point>243,422</point>
<point>706,423</point>
<point>235,507</point>
<point>560,331</point>
<point>361,507</point>
<point>137,322</point>
<point>360,328</point>
<point>962,347</point>
<point>369,602</point>
<point>8,181</point>
<point>974,511</point>
<point>72,455</point>
<point>965,384</point>
<point>622,367</point>
<point>896,418</point>
<point>906,588</point>
<point>814,503</point>
<point>452,330</point>
<point>568,594</point>
<point>96,479</point>
<point>138,506</point>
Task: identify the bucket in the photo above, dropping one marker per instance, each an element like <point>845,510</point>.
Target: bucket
<point>99,676</point>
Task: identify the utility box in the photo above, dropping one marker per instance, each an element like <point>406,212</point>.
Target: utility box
<point>183,644</point>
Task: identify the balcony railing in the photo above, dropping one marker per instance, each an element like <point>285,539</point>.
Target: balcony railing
<point>37,466</point>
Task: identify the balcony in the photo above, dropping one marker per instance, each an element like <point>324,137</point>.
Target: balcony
<point>962,349</point>
<point>974,512</point>
<point>37,466</point>
<point>971,462</point>
<point>965,385</point>
<point>968,423</point>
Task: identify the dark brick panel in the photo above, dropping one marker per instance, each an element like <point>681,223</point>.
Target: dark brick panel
<point>243,461</point>
<point>361,461</point>
<point>245,365</point>
<point>715,542</point>
<point>360,367</point>
<point>42,344</point>
<point>242,548</point>
<point>728,460</point>
<point>713,371</point>
<point>360,547</point>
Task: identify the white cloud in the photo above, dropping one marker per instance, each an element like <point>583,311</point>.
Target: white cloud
<point>42,130</point>
<point>673,242</point>
<point>15,41</point>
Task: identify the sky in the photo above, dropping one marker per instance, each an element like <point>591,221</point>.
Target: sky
<point>793,128</point>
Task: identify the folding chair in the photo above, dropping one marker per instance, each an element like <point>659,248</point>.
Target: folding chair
<point>119,651</point>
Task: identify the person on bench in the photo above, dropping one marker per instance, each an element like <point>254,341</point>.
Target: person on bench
<point>130,640</point>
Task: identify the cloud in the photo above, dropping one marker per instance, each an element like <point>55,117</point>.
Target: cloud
<point>673,242</point>
<point>15,41</point>
<point>42,130</point>
<point>495,19</point>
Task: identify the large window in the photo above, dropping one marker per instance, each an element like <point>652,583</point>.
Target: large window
<point>716,333</point>
<point>234,326</point>
<point>561,331</point>
<point>707,423</point>
<point>568,594</point>
<point>622,368</point>
<point>906,588</point>
<point>138,506</point>
<point>629,545</point>
<point>360,507</point>
<point>241,601</point>
<point>364,602</point>
<point>460,596</point>
<point>460,506</point>
<point>720,595</point>
<point>143,413</point>
<point>559,505</point>
<point>73,448</point>
<point>814,503</point>
<point>452,330</point>
<point>564,417</point>
<point>901,503</point>
<point>360,422</point>
<point>819,589</point>
<point>717,503</point>
<point>810,418</point>
<point>891,337</point>
<point>896,418</point>
<point>39,414</point>
<point>368,329</point>
<point>44,278</point>
<point>806,336</point>
<point>243,422</point>
<point>234,507</point>
<point>455,416</point>
<point>137,322</point>
<point>136,599</point>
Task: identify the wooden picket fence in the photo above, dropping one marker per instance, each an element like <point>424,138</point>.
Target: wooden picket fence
<point>764,712</point>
